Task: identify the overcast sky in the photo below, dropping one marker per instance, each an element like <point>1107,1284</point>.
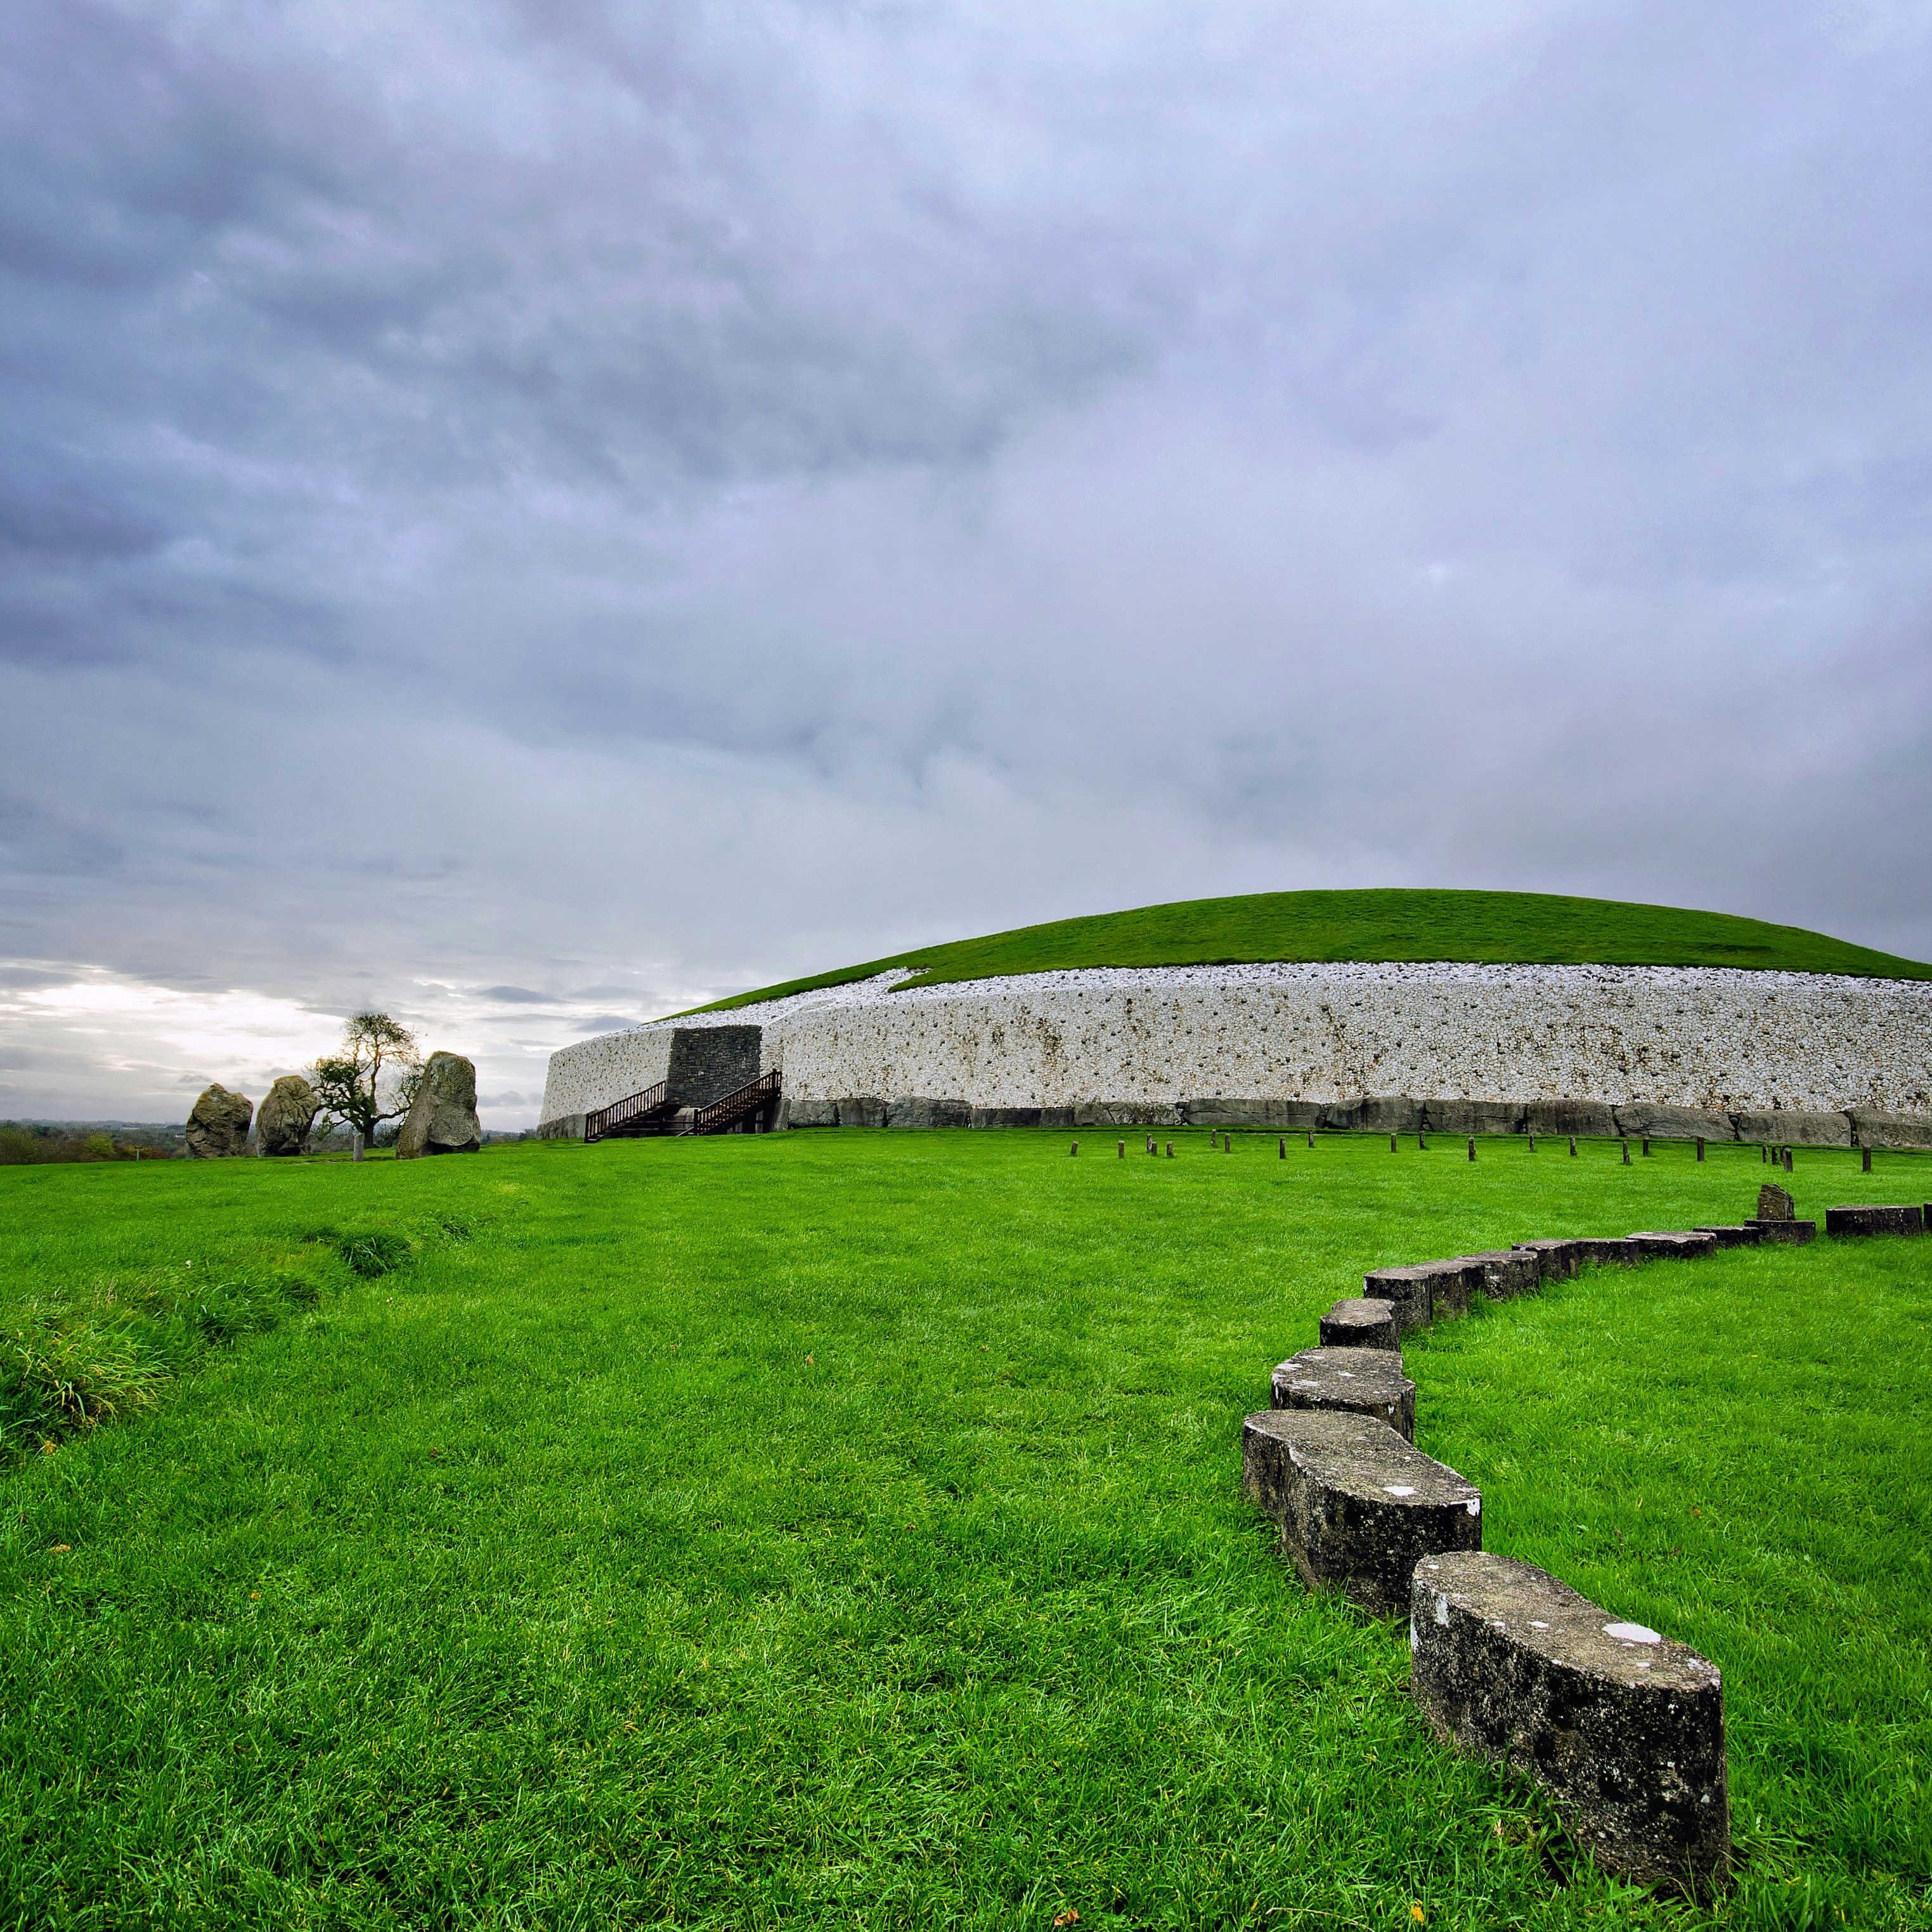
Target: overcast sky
<point>532,515</point>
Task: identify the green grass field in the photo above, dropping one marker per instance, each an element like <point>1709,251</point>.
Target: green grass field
<point>844,1529</point>
<point>1532,928</point>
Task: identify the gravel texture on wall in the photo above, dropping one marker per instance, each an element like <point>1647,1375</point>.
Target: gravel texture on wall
<point>1691,1036</point>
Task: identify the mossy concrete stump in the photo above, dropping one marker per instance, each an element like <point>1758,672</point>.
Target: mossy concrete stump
<point>1361,1322</point>
<point>1365,1381</point>
<point>1503,1273</point>
<point>1556,1260</point>
<point>1405,1290</point>
<point>1797,1233</point>
<point>1358,1505</point>
<point>1426,1290</point>
<point>1874,1221</point>
<point>1623,1727</point>
<point>1614,1253</point>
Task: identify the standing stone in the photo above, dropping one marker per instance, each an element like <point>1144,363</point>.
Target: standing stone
<point>1358,1505</point>
<point>217,1125</point>
<point>1774,1203</point>
<point>442,1119</point>
<point>282,1127</point>
<point>1622,1726</point>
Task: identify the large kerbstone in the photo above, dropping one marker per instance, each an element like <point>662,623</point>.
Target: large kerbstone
<point>1217,1111</point>
<point>1358,1505</point>
<point>442,1118</point>
<point>218,1124</point>
<point>1787,1127</point>
<point>1556,1259</point>
<point>1622,1726</point>
<point>1872,1128</point>
<point>861,1110</point>
<point>1642,1118</point>
<point>1874,1221</point>
<point>287,1114</point>
<point>1680,1245</point>
<point>1386,1114</point>
<point>1360,1322</point>
<point>811,1113</point>
<point>1505,1273</point>
<point>1472,1117</point>
<point>1007,1117</point>
<point>924,1113</point>
<point>1744,1234</point>
<point>1586,1119</point>
<point>1126,1114</point>
<point>1366,1382</point>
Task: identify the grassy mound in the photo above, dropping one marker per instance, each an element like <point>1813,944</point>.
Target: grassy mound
<point>1499,928</point>
<point>837,1529</point>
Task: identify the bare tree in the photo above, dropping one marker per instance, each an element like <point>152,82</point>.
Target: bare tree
<point>372,1076</point>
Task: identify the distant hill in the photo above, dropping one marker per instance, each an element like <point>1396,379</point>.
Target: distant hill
<point>1391,923</point>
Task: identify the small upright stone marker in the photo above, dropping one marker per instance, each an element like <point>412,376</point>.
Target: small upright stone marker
<point>1361,1322</point>
<point>1775,1204</point>
<point>1358,1505</point>
<point>1700,1147</point>
<point>1392,1145</point>
<point>1625,1142</point>
<point>1622,1726</point>
<point>1281,1152</point>
<point>1472,1146</point>
<point>1573,1146</point>
<point>1367,1381</point>
<point>1073,1150</point>
<point>1865,1168</point>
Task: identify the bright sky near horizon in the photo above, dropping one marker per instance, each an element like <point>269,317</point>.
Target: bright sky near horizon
<point>535,516</point>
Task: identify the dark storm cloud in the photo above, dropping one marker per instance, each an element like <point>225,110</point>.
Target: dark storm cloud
<point>642,500</point>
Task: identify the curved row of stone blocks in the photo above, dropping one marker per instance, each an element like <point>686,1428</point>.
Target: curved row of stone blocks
<point>1622,1725</point>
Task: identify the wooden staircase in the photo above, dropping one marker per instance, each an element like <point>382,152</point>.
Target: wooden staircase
<point>750,1108</point>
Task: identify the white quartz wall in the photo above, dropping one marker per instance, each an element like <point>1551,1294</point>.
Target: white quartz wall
<point>1677,1035</point>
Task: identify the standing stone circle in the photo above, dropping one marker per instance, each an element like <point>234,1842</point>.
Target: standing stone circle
<point>217,1125</point>
<point>442,1118</point>
<point>287,1114</point>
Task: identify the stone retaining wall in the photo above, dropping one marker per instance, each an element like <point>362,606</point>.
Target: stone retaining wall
<point>1483,1048</point>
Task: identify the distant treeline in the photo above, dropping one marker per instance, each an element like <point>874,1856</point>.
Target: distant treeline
<point>25,1142</point>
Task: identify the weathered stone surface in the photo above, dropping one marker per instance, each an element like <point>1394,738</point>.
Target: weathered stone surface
<point>1797,1233</point>
<point>1774,1203</point>
<point>1126,1114</point>
<point>1406,1290</point>
<point>442,1117</point>
<point>1744,1235</point>
<point>1012,1117</point>
<point>1217,1111</point>
<point>1556,1259</point>
<point>1360,1322</point>
<point>218,1124</point>
<point>1625,1728</point>
<point>287,1113</point>
<point>1358,1505</point>
<point>1681,1245</point>
<point>1674,1123</point>
<point>1873,1129</point>
<point>810,1114</point>
<point>916,1112</point>
<point>1617,1252</point>
<point>567,1127</point>
<point>861,1110</point>
<point>1593,1120</point>
<point>1385,1114</point>
<point>1052,1116</point>
<point>1451,1283</point>
<point>1368,1381</point>
<point>1787,1127</point>
<point>1874,1221</point>
<point>1506,1272</point>
<point>706,1063</point>
<point>1472,1117</point>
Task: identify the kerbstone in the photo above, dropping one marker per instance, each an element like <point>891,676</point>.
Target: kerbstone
<point>442,1118</point>
<point>1367,1382</point>
<point>1217,1111</point>
<point>1358,1505</point>
<point>1591,1119</point>
<point>1007,1117</point>
<point>861,1110</point>
<point>1361,1322</point>
<point>1472,1117</point>
<point>1872,1128</point>
<point>1643,1118</point>
<point>218,1124</point>
<point>1788,1127</point>
<point>1505,1273</point>
<point>811,1113</point>
<point>1874,1221</point>
<point>1623,1727</point>
<point>1380,1114</point>
<point>918,1112</point>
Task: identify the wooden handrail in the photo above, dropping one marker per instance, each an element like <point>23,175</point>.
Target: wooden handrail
<point>598,1124</point>
<point>727,1108</point>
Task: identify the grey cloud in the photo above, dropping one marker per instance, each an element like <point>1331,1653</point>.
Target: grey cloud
<point>518,996</point>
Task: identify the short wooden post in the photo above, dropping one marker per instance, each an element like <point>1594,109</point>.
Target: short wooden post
<point>355,1145</point>
<point>1170,1149</point>
<point>1392,1146</point>
<point>1311,1137</point>
<point>1074,1149</point>
<point>1532,1144</point>
<point>1281,1152</point>
<point>1700,1147</point>
<point>1472,1146</point>
<point>1123,1150</point>
<point>1787,1160</point>
<point>1573,1146</point>
<point>1646,1147</point>
<point>1624,1140</point>
<point>1867,1166</point>
<point>1421,1141</point>
<point>1763,1155</point>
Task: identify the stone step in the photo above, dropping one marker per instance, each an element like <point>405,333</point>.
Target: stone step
<point>1874,1221</point>
<point>1360,1322</point>
<point>1358,1505</point>
<point>1368,1381</point>
<point>1622,1726</point>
